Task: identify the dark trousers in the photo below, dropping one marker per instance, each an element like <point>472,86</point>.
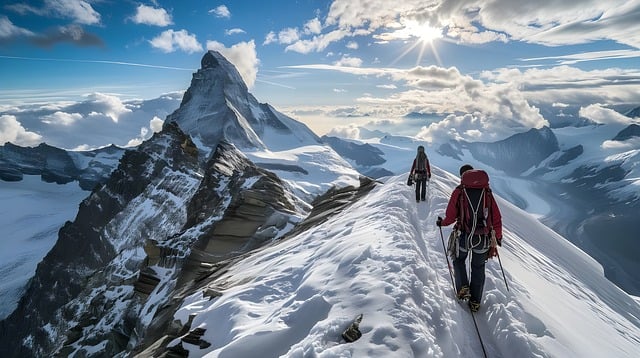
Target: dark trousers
<point>477,270</point>
<point>421,188</point>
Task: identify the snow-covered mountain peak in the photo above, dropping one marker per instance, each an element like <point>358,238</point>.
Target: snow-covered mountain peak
<point>218,106</point>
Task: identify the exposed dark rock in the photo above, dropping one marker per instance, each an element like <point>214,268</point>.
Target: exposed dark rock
<point>632,131</point>
<point>567,156</point>
<point>56,165</point>
<point>364,155</point>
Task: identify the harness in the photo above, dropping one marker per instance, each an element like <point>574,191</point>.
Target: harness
<point>468,215</point>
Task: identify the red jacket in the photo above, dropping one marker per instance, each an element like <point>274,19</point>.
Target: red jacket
<point>451,215</point>
<point>426,165</point>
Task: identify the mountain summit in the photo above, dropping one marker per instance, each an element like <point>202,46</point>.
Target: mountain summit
<point>218,106</point>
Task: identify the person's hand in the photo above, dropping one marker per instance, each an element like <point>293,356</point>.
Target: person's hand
<point>499,241</point>
<point>493,252</point>
<point>429,177</point>
<point>439,221</point>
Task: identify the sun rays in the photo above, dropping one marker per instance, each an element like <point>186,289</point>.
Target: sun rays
<point>423,36</point>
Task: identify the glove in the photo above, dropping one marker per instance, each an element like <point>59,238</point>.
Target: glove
<point>429,177</point>
<point>493,252</point>
<point>439,221</point>
<point>499,241</point>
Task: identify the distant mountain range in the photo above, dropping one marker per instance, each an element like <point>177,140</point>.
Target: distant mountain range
<point>228,175</point>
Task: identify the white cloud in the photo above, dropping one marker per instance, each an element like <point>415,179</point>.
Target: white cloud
<point>313,26</point>
<point>347,61</point>
<point>234,31</point>
<point>352,45</point>
<point>9,30</point>
<point>80,11</point>
<point>551,23</point>
<point>391,86</point>
<point>221,11</point>
<point>61,118</point>
<point>98,120</point>
<point>318,43</point>
<point>243,55</point>
<point>288,36</point>
<point>149,15</point>
<point>348,131</point>
<point>156,124</point>
<point>603,115</point>
<point>270,38</point>
<point>492,111</point>
<point>171,41</point>
<point>12,131</point>
<point>339,90</point>
<point>109,105</point>
<point>629,144</point>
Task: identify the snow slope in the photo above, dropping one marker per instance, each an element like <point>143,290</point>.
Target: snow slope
<point>31,214</point>
<point>383,257</point>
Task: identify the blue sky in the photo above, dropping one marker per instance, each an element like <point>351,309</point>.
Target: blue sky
<point>78,73</point>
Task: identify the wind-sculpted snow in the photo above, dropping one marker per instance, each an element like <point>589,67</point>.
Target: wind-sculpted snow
<point>383,257</point>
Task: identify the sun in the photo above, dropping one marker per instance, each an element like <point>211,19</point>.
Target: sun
<point>423,35</point>
<point>424,32</point>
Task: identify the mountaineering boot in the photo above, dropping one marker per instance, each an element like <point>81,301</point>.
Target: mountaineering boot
<point>474,306</point>
<point>464,293</point>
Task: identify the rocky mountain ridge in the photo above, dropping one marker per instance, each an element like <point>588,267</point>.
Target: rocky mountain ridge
<point>176,206</point>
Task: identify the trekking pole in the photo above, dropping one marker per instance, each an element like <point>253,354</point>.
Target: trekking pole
<point>453,284</point>
<point>494,244</point>
<point>503,275</point>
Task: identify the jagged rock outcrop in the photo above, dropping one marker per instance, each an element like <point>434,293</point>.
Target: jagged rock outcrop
<point>162,215</point>
<point>164,329</point>
<point>170,213</point>
<point>65,291</point>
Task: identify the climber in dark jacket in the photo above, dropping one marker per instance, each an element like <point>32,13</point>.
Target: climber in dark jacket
<point>421,172</point>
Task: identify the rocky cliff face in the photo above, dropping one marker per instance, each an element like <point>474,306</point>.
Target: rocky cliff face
<point>182,203</point>
<point>161,215</point>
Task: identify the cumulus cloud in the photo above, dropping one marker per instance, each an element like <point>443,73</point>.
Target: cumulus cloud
<point>313,26</point>
<point>349,131</point>
<point>243,55</point>
<point>156,124</point>
<point>98,120</point>
<point>171,41</point>
<point>12,131</point>
<point>221,11</point>
<point>476,110</point>
<point>109,105</point>
<point>149,15</point>
<point>349,61</point>
<point>61,118</point>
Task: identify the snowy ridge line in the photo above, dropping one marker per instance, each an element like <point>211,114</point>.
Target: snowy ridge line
<point>383,258</point>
